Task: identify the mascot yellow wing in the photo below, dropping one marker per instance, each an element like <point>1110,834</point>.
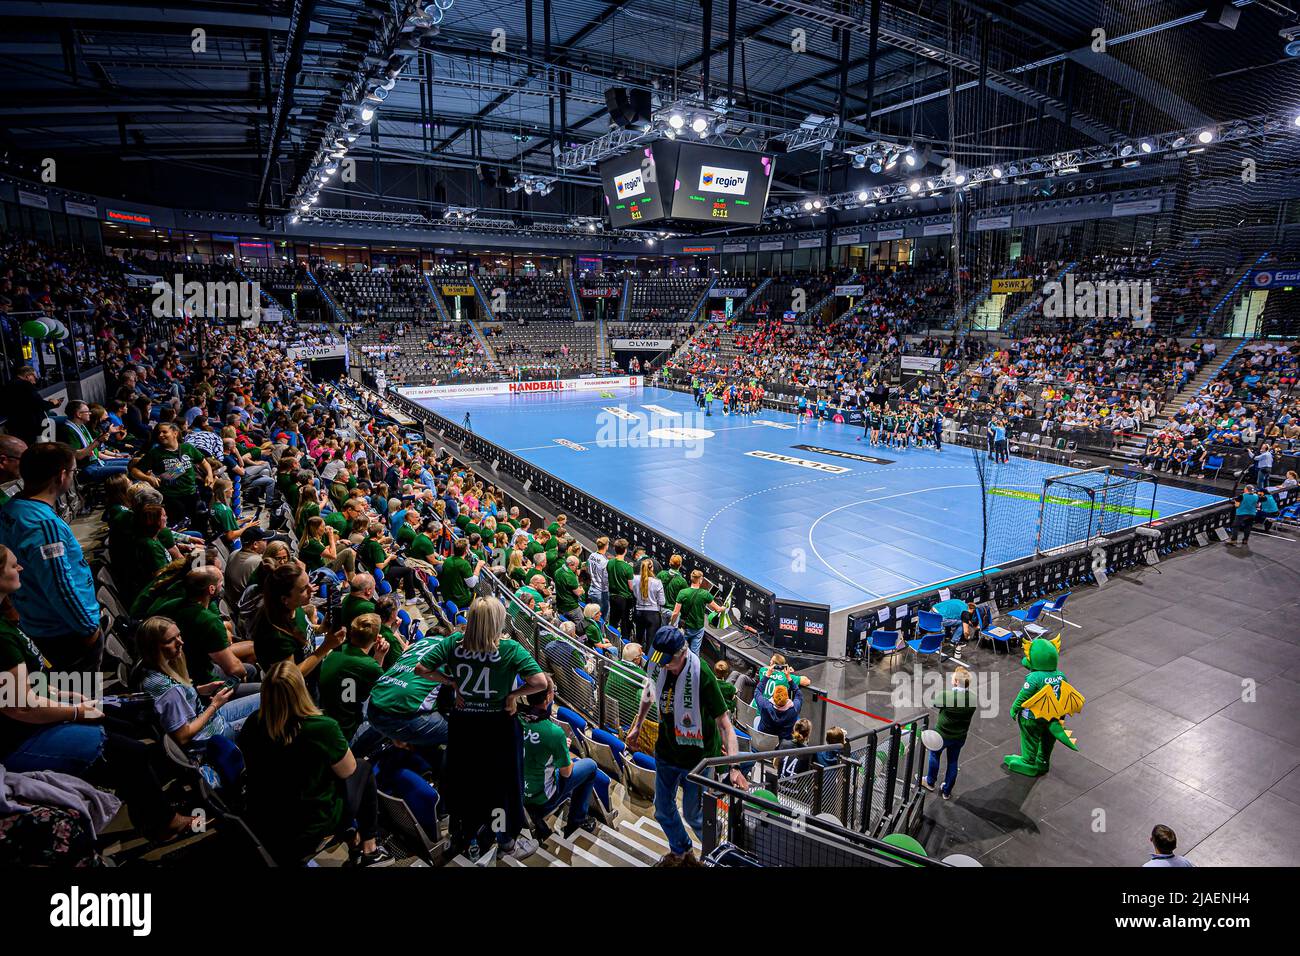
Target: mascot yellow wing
<point>1046,705</point>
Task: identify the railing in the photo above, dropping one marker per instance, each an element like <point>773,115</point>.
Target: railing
<point>835,814</point>
<point>700,302</point>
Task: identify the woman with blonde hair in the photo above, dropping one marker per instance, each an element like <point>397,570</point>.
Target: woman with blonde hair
<point>304,784</point>
<point>166,679</point>
<point>484,748</point>
<point>649,594</point>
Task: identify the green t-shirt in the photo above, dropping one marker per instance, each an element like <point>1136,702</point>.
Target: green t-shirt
<point>566,590</point>
<point>530,549</point>
<point>400,691</point>
<point>272,645</point>
<point>346,678</point>
<point>312,551</point>
<point>372,553</point>
<point>175,468</point>
<point>307,512</point>
<point>339,522</point>
<point>546,753</point>
<point>769,679</point>
<point>712,706</point>
<point>294,797</point>
<point>421,548</point>
<point>620,573</point>
<point>354,605</point>
<point>694,602</point>
<point>204,633</point>
<point>956,708</point>
<point>223,518</point>
<point>455,572</point>
<point>16,648</point>
<point>673,583</point>
<point>483,681</point>
<point>405,535</point>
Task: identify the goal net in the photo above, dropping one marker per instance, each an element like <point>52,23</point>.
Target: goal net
<point>1078,507</point>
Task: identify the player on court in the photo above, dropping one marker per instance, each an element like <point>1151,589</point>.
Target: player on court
<point>874,418</point>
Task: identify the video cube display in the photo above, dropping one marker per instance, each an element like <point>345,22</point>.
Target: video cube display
<point>720,185</point>
<point>631,184</point>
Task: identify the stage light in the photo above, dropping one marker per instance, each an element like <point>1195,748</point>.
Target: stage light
<point>914,186</point>
<point>676,120</point>
<point>817,204</point>
<point>863,196</point>
<point>1297,119</point>
<point>892,161</point>
<point>367,114</point>
<point>1178,142</point>
<point>807,205</point>
<point>876,167</point>
<point>649,241</point>
<point>997,172</point>
<point>1146,146</point>
<point>1205,136</point>
<point>1126,149</point>
<point>699,124</point>
<point>910,160</point>
<point>959,179</point>
<point>859,160</point>
<point>1013,169</point>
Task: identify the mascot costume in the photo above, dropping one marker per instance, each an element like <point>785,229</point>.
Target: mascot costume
<point>1041,708</point>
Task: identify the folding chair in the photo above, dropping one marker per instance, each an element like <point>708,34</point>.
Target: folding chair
<point>1028,616</point>
<point>885,642</point>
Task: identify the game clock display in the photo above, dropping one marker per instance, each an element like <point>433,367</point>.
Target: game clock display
<point>721,185</point>
<point>631,186</point>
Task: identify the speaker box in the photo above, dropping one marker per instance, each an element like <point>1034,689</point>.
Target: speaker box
<point>1222,16</point>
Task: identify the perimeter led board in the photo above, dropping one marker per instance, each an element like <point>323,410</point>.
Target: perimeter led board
<point>632,188</point>
<point>713,184</point>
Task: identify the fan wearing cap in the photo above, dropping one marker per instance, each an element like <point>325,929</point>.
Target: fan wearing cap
<point>694,724</point>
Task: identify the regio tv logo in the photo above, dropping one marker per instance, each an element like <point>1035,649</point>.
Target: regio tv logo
<point>719,179</point>
<point>629,185</point>
<point>206,300</point>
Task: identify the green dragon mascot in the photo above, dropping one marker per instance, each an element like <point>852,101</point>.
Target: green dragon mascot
<point>1041,708</point>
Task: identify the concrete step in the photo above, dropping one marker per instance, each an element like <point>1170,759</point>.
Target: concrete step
<point>652,843</point>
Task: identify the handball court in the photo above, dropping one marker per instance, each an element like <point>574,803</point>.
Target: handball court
<point>803,509</point>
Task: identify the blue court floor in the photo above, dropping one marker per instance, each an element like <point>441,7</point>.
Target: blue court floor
<point>802,522</point>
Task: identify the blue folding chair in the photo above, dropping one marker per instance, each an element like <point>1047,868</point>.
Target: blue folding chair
<point>886,642</point>
<point>1214,463</point>
<point>577,725</point>
<point>927,644</point>
<point>1057,605</point>
<point>1028,616</point>
<point>928,622</point>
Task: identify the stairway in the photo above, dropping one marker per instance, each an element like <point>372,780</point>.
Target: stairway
<point>753,296</point>
<point>573,300</point>
<point>629,843</point>
<point>1238,314</point>
<point>339,314</point>
<point>482,339</point>
<point>1131,447</point>
<point>1034,299</point>
<point>704,297</point>
<point>439,306</point>
<point>625,300</point>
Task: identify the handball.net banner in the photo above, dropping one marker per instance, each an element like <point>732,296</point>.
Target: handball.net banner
<point>521,388</point>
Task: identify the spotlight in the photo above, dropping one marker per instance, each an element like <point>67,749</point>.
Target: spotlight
<point>959,179</point>
<point>699,124</point>
<point>1126,149</point>
<point>876,167</point>
<point>997,172</point>
<point>1297,119</point>
<point>817,204</point>
<point>367,114</point>
<point>1205,136</point>
<point>859,160</point>
<point>892,161</point>
<point>649,241</point>
<point>1013,169</point>
<point>1146,146</point>
<point>914,186</point>
<point>807,205</point>
<point>1179,142</point>
<point>910,160</point>
<point>677,121</point>
<point>863,196</point>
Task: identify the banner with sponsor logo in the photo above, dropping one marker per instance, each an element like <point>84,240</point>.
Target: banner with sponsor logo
<point>810,243</point>
<point>458,290</point>
<point>1275,278</point>
<point>657,345</point>
<point>993,222</point>
<point>847,290</point>
<point>1136,207</point>
<point>732,293</point>
<point>35,200</point>
<point>847,239</point>
<point>735,247</point>
<point>600,293</point>
<point>1012,285</point>
<point>888,235</point>
<point>521,388</point>
<point>922,363</point>
<point>301,353</point>
<point>87,210</point>
<point>938,229</point>
<point>135,218</point>
<point>771,246</point>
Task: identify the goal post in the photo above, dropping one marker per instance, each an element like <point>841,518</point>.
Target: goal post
<point>1078,507</point>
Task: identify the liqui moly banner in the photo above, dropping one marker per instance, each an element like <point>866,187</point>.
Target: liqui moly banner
<point>521,388</point>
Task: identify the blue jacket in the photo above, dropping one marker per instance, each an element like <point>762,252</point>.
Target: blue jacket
<point>58,592</point>
<point>779,723</point>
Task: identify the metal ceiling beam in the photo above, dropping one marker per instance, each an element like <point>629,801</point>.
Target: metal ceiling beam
<point>155,14</point>
<point>298,27</point>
